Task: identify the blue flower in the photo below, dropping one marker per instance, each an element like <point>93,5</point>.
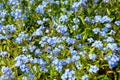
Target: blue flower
<point>117,23</point>
<point>113,60</point>
<point>75,57</point>
<point>74,27</point>
<point>105,19</point>
<point>24,49</point>
<point>17,14</point>
<point>87,19</point>
<point>44,3</point>
<point>75,6</point>
<point>21,59</point>
<point>51,41</point>
<point>31,76</point>
<point>7,73</point>
<point>71,48</point>
<point>11,28</point>
<point>18,40</point>
<point>85,77</point>
<point>61,46</point>
<point>1,5</point>
<point>92,56</point>
<point>83,2</point>
<point>40,9</point>
<point>71,40</point>
<point>1,27</point>
<point>24,68</point>
<point>32,2</point>
<point>68,60</point>
<point>76,20</point>
<point>22,35</point>
<point>105,29</point>
<point>93,68</point>
<point>24,78</point>
<point>78,65</point>
<point>90,40</point>
<point>37,52</point>
<point>102,33</point>
<point>56,51</point>
<point>62,29</point>
<point>78,36</point>
<point>73,52</point>
<point>65,2</point>
<point>13,2</point>
<point>32,48</point>
<point>96,30</point>
<point>3,13</point>
<point>3,53</point>
<point>40,22</point>
<point>79,45</point>
<point>112,32</point>
<point>59,67</point>
<point>98,44</point>
<point>112,46</point>
<point>109,39</point>
<point>105,1</point>
<point>68,74</point>
<point>48,49</point>
<point>108,25</point>
<point>98,18</point>
<point>6,70</point>
<point>83,53</point>
<point>38,32</point>
<point>63,18</point>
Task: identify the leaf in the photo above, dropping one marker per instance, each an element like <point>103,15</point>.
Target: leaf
<point>108,11</point>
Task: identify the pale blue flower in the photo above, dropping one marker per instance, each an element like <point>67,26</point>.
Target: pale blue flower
<point>93,68</point>
<point>24,68</point>
<point>32,48</point>
<point>78,36</point>
<point>37,51</point>
<point>71,40</point>
<point>108,25</point>
<point>96,30</point>
<point>17,13</point>
<point>63,18</point>
<point>1,5</point>
<point>5,70</point>
<point>85,77</point>
<point>40,9</point>
<point>3,53</point>
<point>112,46</point>
<point>76,20</point>
<point>90,40</point>
<point>112,32</point>
<point>106,19</point>
<point>62,29</point>
<point>97,44</point>
<point>113,60</point>
<point>24,78</point>
<point>105,29</point>
<point>105,1</point>
<point>74,27</point>
<point>102,33</point>
<point>98,18</point>
<point>109,39</point>
<point>3,13</point>
<point>78,65</point>
<point>92,56</point>
<point>117,23</point>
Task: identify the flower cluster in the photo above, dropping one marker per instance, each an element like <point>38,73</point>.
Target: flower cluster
<point>49,39</point>
<point>7,73</point>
